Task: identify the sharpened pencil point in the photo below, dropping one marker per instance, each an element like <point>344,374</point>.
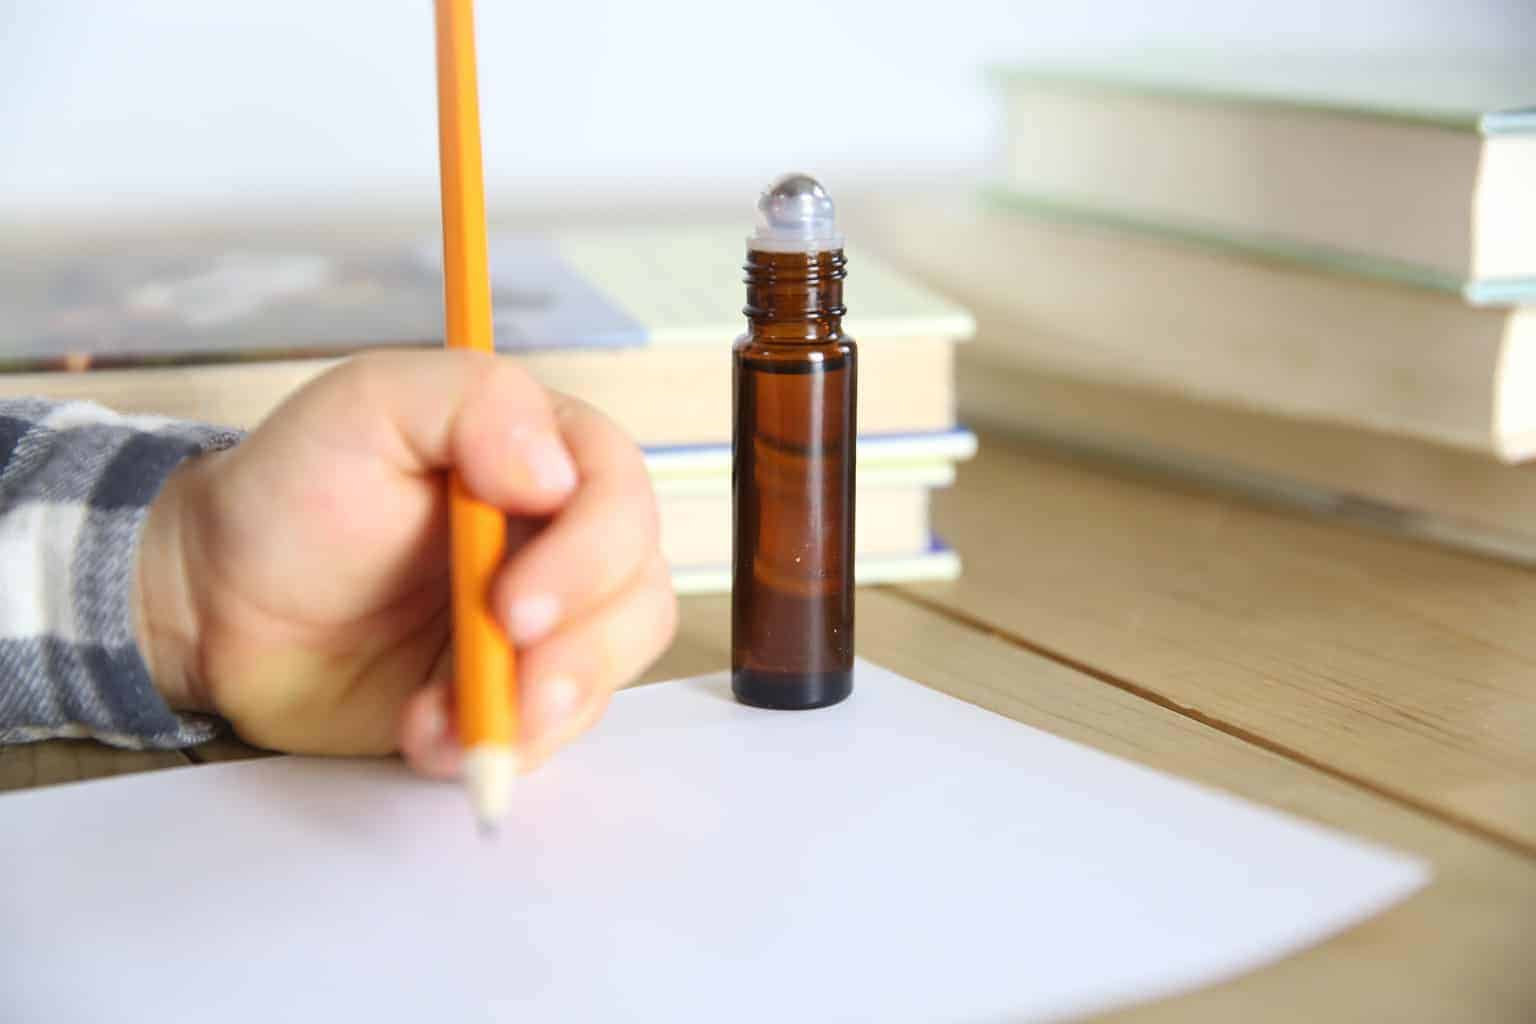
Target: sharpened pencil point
<point>489,771</point>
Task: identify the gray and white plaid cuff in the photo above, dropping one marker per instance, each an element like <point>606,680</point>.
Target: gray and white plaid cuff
<point>75,488</point>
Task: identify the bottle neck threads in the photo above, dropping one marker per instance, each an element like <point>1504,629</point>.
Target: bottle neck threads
<point>795,296</point>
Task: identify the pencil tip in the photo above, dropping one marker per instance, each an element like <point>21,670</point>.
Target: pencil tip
<point>488,829</point>
<point>489,772</point>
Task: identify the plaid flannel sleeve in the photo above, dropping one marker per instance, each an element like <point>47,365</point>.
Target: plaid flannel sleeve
<point>76,481</point>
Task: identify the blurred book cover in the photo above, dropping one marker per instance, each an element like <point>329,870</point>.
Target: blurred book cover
<point>637,321</point>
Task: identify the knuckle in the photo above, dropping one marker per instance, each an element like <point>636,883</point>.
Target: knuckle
<point>508,379</point>
<point>626,460</point>
<point>568,408</point>
<point>360,377</point>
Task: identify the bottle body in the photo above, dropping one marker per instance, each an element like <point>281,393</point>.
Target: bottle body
<point>793,479</point>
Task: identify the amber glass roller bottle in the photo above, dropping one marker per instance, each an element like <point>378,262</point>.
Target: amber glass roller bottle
<point>795,379</point>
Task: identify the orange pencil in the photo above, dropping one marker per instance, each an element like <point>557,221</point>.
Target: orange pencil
<point>484,672</point>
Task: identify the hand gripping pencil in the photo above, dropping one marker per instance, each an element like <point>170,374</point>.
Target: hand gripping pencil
<point>484,670</point>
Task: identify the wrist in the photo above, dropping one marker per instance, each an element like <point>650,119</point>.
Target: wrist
<point>165,614</point>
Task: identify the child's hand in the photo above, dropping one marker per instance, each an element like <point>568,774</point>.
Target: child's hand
<point>297,584</point>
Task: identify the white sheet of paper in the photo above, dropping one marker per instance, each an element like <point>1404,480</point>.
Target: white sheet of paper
<point>903,856</point>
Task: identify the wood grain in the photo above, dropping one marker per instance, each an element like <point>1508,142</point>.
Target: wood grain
<point>50,762</point>
<point>1408,668</point>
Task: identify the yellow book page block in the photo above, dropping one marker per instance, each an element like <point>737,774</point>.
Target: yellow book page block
<point>685,285</point>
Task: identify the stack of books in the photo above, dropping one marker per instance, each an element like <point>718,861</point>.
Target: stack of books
<point>1306,277</point>
<point>638,321</point>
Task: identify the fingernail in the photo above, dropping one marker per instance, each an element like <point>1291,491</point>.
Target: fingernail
<point>546,458</point>
<point>552,702</point>
<point>532,617</point>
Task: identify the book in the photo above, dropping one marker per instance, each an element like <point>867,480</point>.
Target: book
<point>206,328</point>
<point>1376,480</point>
<point>915,392</point>
<point>221,326</point>
<point>1410,168</point>
<point>1213,324</point>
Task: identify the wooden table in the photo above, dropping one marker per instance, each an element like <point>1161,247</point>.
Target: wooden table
<point>1367,682</point>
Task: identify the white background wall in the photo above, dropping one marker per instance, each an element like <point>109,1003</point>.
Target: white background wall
<point>150,102</point>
